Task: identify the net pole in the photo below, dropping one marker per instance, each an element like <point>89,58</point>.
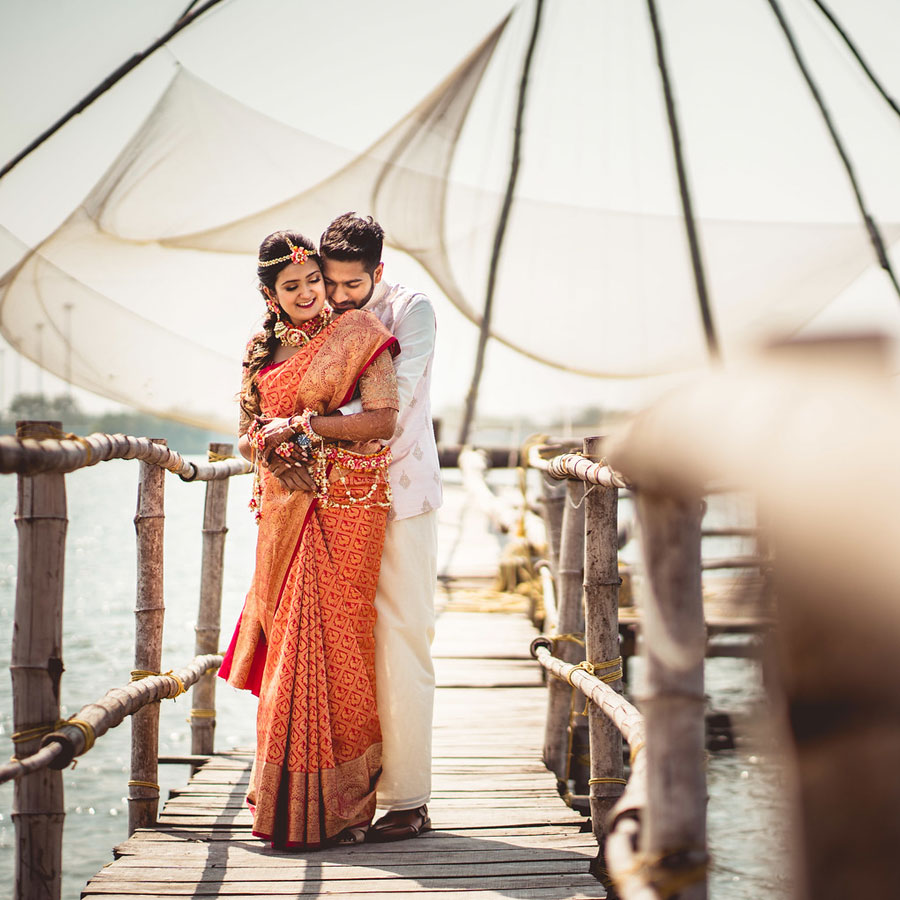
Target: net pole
<point>854,50</point>
<point>868,219</point>
<point>472,396</point>
<point>108,82</point>
<point>709,330</point>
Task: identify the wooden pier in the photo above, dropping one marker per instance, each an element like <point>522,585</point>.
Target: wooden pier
<point>499,825</point>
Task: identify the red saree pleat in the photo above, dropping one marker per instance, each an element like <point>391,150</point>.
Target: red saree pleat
<point>311,611</point>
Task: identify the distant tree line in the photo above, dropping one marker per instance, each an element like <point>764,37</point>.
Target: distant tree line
<point>65,409</point>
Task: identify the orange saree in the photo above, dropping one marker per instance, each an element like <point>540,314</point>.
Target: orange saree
<point>304,642</point>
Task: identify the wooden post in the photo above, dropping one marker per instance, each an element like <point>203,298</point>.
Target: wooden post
<point>565,742</point>
<point>209,614</point>
<point>36,668</point>
<point>553,499</point>
<point>149,611</point>
<point>601,604</point>
<point>673,836</point>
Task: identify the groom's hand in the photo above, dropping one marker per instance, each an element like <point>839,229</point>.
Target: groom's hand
<point>293,476</point>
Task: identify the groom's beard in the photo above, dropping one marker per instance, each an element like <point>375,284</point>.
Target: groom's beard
<point>354,304</point>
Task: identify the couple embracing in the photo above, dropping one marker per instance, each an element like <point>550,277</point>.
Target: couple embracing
<point>334,637</point>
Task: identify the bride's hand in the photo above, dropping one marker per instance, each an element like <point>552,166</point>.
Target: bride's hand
<point>271,433</point>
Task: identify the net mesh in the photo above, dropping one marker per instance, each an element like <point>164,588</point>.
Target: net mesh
<point>155,269</point>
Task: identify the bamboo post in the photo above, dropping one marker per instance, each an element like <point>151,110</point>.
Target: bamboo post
<point>673,838</point>
<point>36,668</point>
<point>209,614</point>
<point>601,605</point>
<point>553,499</point>
<point>565,740</point>
<point>149,611</point>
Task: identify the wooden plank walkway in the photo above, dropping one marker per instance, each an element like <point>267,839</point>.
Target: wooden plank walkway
<point>500,828</point>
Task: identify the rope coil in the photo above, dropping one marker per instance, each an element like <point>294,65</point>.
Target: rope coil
<point>86,729</point>
<point>573,638</point>
<point>37,731</point>
<point>181,688</point>
<point>203,713</point>
<point>607,781</point>
<point>146,784</point>
<point>139,674</point>
<point>593,668</point>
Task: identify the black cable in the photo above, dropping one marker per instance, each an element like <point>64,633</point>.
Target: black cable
<point>183,21</point>
<point>853,49</point>
<point>868,220</point>
<point>712,341</point>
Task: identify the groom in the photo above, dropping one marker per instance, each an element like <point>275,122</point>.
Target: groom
<point>350,250</point>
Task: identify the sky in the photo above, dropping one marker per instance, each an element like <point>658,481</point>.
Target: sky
<point>617,160</point>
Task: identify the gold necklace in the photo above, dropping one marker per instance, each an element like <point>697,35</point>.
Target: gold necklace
<point>300,335</point>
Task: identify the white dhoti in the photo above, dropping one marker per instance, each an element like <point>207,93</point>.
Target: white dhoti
<point>404,673</point>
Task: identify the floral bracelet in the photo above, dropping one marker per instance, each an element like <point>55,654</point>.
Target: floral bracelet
<point>304,424</point>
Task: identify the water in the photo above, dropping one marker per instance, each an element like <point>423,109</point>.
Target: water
<point>746,792</point>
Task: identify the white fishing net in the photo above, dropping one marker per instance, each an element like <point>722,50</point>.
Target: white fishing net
<point>154,269</point>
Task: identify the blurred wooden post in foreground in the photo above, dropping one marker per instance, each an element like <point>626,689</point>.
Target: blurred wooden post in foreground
<point>36,667</point>
<point>149,611</point>
<point>601,605</point>
<point>839,660</point>
<point>209,615</point>
<point>566,740</point>
<point>673,834</point>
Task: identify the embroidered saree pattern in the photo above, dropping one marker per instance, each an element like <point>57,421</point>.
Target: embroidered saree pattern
<point>304,641</point>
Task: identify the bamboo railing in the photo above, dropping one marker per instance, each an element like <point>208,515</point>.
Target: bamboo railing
<point>40,454</point>
<point>647,843</point>
<point>811,432</point>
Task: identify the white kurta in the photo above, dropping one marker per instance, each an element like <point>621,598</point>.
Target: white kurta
<point>404,600</point>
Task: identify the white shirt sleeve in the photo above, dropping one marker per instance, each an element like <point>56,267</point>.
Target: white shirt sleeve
<point>415,332</point>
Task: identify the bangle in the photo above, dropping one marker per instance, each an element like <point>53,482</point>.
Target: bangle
<point>305,425</point>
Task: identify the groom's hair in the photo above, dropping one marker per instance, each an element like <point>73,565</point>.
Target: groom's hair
<point>350,237</point>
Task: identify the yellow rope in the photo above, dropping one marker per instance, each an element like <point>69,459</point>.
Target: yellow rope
<point>146,784</point>
<point>634,752</point>
<point>29,734</point>
<point>219,457</point>
<point>86,729</point>
<point>607,781</point>
<point>203,713</point>
<point>583,666</point>
<point>593,668</point>
<point>608,665</point>
<point>57,434</point>
<point>68,436</point>
<point>138,674</point>
<point>574,638</point>
<point>181,688</point>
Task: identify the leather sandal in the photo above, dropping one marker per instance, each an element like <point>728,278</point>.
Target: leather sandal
<point>400,824</point>
<point>355,834</point>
